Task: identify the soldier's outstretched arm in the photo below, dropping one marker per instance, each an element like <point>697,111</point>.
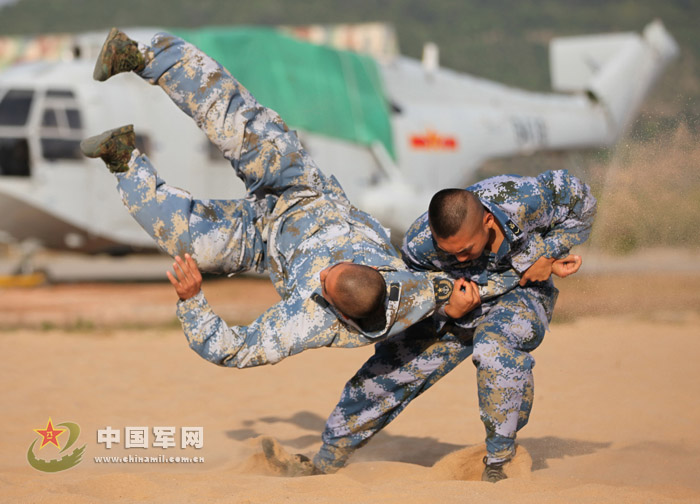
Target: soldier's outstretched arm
<point>291,326</point>
<point>287,328</point>
<point>220,234</point>
<point>498,284</point>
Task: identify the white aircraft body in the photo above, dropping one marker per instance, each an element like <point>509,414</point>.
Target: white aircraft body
<point>445,125</point>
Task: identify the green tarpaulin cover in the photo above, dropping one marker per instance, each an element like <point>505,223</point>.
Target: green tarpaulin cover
<point>315,88</point>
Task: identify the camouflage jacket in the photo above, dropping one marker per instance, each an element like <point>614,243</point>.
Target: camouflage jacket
<point>306,232</point>
<point>540,216</point>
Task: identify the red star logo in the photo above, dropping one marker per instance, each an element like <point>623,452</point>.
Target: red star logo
<point>49,434</point>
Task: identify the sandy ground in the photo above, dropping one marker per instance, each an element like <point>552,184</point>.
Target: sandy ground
<point>615,417</point>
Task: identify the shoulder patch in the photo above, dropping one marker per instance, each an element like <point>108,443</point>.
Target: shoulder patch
<point>394,292</point>
<point>443,289</point>
<point>515,229</point>
<point>320,300</point>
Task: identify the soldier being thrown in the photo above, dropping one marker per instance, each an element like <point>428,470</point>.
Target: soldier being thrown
<point>341,281</point>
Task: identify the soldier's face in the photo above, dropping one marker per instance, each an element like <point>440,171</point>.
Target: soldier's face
<point>470,241</point>
<point>329,280</point>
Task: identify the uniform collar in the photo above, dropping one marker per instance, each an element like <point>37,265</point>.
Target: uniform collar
<point>511,231</point>
<point>393,297</point>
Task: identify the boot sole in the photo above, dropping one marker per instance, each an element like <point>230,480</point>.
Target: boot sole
<point>92,146</point>
<point>101,72</point>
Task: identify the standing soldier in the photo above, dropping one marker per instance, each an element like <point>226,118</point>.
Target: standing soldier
<point>504,222</point>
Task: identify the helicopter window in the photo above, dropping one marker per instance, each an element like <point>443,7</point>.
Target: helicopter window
<point>61,127</point>
<point>60,148</point>
<point>49,119</point>
<point>59,93</point>
<point>74,121</point>
<point>14,157</point>
<point>14,107</point>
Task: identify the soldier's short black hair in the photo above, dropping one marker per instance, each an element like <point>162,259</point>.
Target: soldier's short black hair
<point>449,209</point>
<point>360,292</point>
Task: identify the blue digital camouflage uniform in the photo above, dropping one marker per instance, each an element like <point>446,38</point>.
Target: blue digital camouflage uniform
<point>296,222</point>
<point>542,216</point>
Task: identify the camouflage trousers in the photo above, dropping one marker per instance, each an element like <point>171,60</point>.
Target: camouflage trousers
<point>408,364</point>
<point>222,235</point>
<point>265,154</point>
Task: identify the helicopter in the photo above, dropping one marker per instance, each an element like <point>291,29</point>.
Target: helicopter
<point>438,126</point>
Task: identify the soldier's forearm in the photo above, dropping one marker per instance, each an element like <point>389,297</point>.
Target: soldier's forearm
<point>206,333</point>
<point>499,284</point>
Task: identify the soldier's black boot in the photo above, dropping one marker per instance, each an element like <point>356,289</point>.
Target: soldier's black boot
<point>493,472</point>
<point>119,54</point>
<point>287,465</point>
<point>113,146</point>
